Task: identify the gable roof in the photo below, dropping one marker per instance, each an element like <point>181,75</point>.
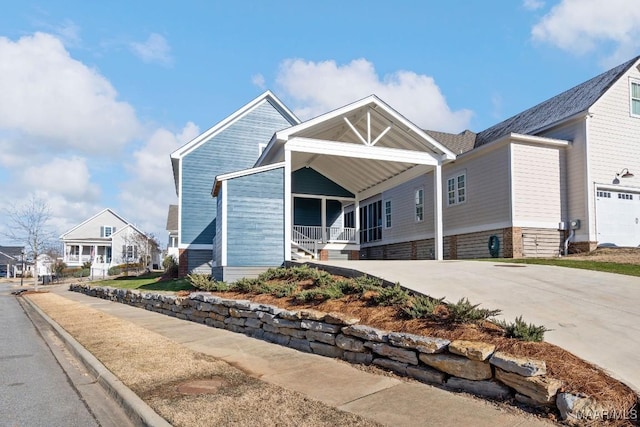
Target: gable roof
<point>563,106</point>
<point>267,96</point>
<point>401,133</point>
<point>172,218</point>
<point>10,254</point>
<point>94,216</point>
<point>457,142</point>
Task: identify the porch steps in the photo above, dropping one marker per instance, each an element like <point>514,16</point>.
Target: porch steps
<point>298,254</point>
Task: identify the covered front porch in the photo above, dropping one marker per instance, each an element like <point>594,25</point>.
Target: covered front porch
<point>348,158</point>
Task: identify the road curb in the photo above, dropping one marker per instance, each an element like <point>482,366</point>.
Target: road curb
<point>137,410</point>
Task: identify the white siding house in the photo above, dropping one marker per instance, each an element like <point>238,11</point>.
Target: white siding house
<point>105,240</point>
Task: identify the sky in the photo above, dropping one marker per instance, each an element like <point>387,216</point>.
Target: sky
<point>94,96</point>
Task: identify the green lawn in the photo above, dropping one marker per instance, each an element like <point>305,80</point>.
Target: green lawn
<point>147,282</point>
<point>609,267</point>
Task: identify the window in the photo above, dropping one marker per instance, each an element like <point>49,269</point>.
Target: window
<point>457,189</point>
<point>419,202</point>
<point>635,97</point>
<point>129,252</point>
<point>107,231</point>
<point>604,194</point>
<point>387,214</point>
<point>371,222</point>
<point>625,196</point>
<point>349,221</point>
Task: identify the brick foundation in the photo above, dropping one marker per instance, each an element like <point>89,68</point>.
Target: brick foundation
<point>183,262</point>
<point>323,255</point>
<point>453,247</point>
<point>512,240</point>
<point>354,255</point>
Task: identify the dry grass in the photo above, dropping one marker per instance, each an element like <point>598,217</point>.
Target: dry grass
<point>154,367</point>
<point>617,255</point>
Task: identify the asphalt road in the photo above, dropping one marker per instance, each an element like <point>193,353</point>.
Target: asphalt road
<point>40,384</point>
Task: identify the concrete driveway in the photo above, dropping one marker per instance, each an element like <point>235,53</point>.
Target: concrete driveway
<point>593,315</point>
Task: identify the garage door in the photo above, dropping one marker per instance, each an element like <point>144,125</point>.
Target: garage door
<point>618,218</point>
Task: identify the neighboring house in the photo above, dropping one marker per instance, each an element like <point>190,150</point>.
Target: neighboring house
<point>11,260</point>
<point>106,239</point>
<point>364,182</point>
<point>172,230</point>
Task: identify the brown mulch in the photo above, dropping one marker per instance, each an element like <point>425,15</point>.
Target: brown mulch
<point>578,375</point>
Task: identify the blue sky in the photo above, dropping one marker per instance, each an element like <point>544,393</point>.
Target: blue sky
<point>96,95</point>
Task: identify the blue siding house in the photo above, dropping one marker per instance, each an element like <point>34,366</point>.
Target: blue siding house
<point>233,144</point>
<point>305,194</point>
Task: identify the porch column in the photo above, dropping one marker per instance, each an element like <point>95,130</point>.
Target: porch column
<point>81,248</point>
<point>288,213</point>
<point>437,212</point>
<point>356,218</point>
<point>323,220</point>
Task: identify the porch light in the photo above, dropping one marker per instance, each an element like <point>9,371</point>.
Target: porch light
<point>624,173</point>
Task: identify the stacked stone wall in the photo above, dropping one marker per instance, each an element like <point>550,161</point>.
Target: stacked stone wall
<point>470,366</point>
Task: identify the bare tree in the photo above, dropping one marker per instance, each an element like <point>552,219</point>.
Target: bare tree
<point>28,225</point>
<point>146,245</point>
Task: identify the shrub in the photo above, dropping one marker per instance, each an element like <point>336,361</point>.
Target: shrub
<point>248,285</point>
<point>422,307</point>
<point>523,331</point>
<point>283,290</point>
<point>59,267</point>
<point>200,281</point>
<point>465,312</point>
<point>367,282</point>
<point>86,265</point>
<point>170,266</point>
<point>83,272</point>
<point>320,294</point>
<point>391,295</point>
<point>114,271</point>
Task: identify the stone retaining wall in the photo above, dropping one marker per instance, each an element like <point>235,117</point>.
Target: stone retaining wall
<point>473,367</point>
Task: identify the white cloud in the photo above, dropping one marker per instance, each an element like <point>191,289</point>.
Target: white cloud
<point>67,177</point>
<point>583,26</point>
<point>318,87</point>
<point>146,196</point>
<point>49,96</point>
<point>258,80</point>
<point>154,49</point>
<point>533,4</point>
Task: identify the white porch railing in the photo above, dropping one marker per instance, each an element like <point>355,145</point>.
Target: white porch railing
<point>305,243</point>
<point>330,235</point>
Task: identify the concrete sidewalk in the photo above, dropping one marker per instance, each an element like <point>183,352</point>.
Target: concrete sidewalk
<point>592,314</point>
<point>384,399</point>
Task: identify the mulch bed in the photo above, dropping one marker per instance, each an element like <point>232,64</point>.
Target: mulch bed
<point>577,374</point>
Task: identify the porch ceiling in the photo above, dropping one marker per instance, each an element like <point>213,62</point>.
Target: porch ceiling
<point>356,175</point>
<point>385,145</point>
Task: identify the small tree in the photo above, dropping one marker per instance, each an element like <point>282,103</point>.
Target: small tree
<point>28,225</point>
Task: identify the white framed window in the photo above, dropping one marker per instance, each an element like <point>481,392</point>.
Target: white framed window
<point>387,214</point>
<point>634,97</point>
<point>129,252</point>
<point>419,204</point>
<point>457,189</point>
<point>107,230</point>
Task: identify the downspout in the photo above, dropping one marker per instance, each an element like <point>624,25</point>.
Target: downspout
<point>566,242</point>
